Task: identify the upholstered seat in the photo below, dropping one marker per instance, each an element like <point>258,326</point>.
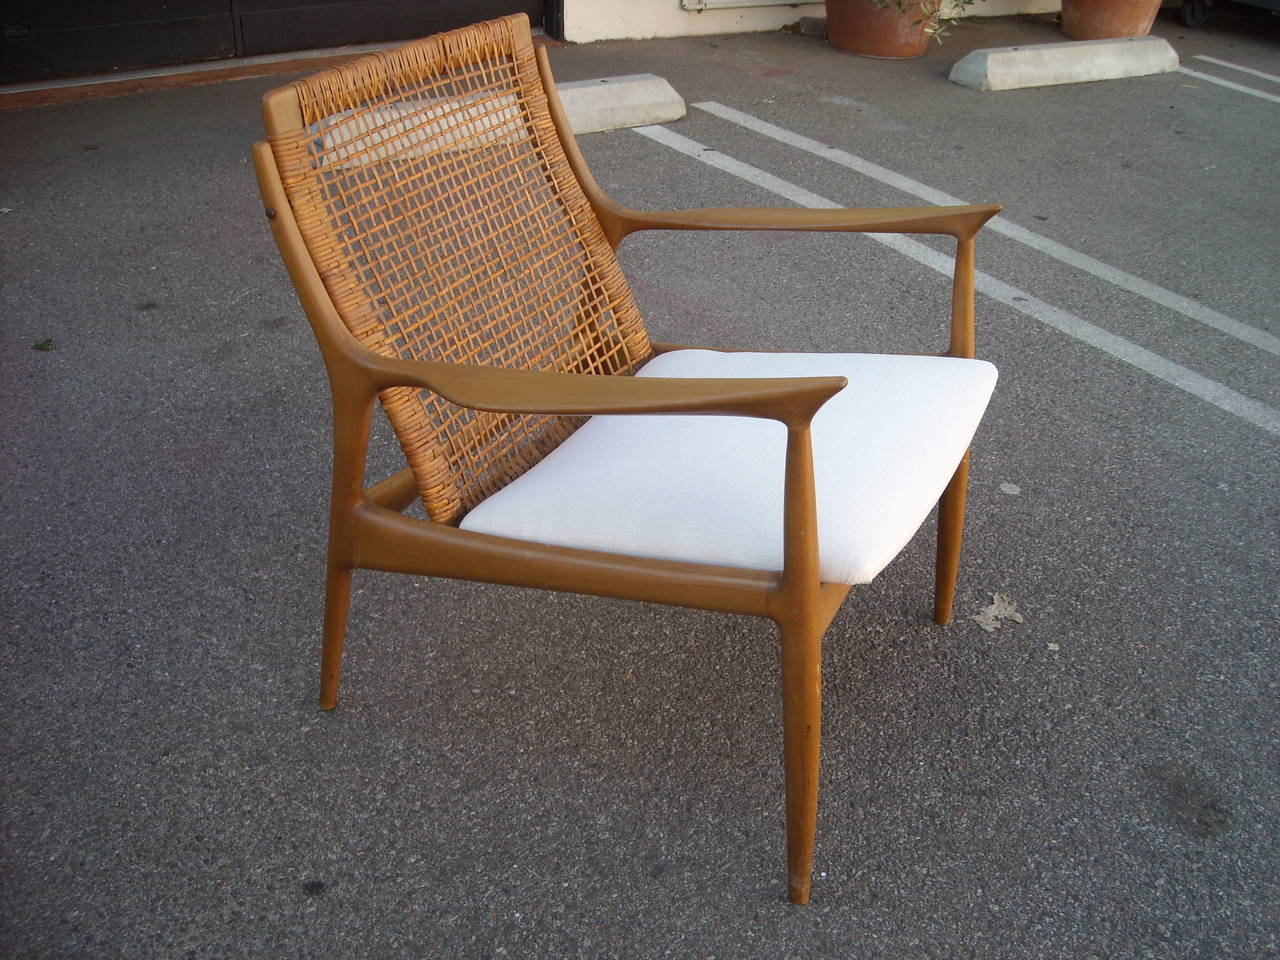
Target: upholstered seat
<point>709,489</point>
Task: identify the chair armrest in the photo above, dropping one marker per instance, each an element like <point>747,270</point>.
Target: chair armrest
<point>957,221</point>
<point>961,222</point>
<point>792,400</point>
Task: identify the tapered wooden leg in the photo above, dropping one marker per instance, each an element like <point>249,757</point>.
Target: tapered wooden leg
<point>802,734</point>
<point>337,597</point>
<point>950,535</point>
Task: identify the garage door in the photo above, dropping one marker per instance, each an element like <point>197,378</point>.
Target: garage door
<point>45,39</point>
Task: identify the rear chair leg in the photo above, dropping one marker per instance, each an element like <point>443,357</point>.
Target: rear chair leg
<point>950,535</point>
<point>802,735</point>
<point>337,597</point>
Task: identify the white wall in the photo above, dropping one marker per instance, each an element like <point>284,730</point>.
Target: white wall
<point>1006,8</point>
<point>587,20</point>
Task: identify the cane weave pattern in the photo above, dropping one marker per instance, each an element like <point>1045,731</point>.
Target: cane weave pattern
<point>435,197</point>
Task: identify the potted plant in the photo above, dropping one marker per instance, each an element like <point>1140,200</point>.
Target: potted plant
<point>1104,19</point>
<point>891,29</point>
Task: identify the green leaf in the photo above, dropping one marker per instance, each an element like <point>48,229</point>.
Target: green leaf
<point>43,345</point>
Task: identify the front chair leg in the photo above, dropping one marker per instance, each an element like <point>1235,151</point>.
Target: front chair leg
<point>337,597</point>
<point>802,735</point>
<point>950,535</point>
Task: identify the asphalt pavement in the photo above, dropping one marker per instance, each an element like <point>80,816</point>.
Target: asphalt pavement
<point>517,774</point>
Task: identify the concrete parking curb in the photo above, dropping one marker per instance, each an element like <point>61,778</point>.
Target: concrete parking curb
<point>1046,64</point>
<point>608,103</point>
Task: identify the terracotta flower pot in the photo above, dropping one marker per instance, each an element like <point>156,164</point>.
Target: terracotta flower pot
<point>858,26</point>
<point>1103,19</point>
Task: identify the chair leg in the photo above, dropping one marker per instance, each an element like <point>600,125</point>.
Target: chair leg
<point>950,535</point>
<point>337,597</point>
<point>802,735</point>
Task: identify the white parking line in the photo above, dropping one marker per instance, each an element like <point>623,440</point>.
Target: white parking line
<point>1230,84</point>
<point>1259,414</point>
<point>1081,261</point>
<point>1235,66</point>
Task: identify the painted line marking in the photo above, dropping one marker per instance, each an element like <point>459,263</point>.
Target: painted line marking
<point>1259,414</point>
<point>1235,66</point>
<point>1081,261</point>
<point>1230,84</point>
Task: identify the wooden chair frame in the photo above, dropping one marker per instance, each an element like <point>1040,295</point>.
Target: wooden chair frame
<point>368,529</point>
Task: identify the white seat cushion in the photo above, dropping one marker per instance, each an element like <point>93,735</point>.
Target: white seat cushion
<point>710,489</point>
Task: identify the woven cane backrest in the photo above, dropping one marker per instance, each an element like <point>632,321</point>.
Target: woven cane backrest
<point>436,200</point>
